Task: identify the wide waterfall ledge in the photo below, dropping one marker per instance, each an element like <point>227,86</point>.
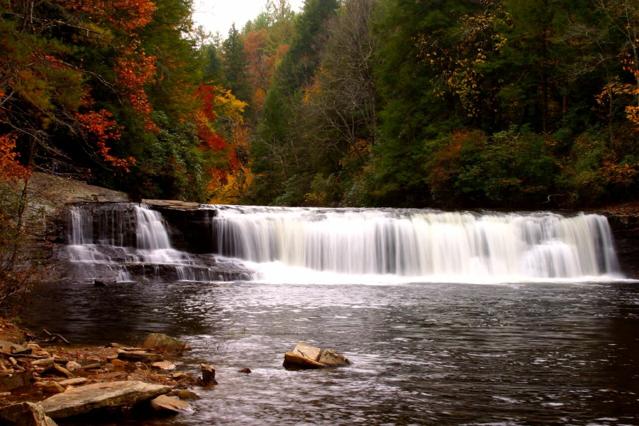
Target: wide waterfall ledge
<point>129,242</point>
<point>315,245</point>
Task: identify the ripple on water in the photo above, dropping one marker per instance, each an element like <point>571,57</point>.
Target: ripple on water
<point>429,353</point>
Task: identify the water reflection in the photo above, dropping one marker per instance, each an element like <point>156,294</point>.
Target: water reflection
<point>422,353</point>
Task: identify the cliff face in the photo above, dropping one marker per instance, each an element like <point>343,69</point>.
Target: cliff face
<point>625,228</point>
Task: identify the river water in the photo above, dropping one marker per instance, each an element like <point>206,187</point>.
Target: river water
<point>422,353</point>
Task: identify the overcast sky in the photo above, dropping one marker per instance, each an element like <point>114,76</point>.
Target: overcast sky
<point>219,15</point>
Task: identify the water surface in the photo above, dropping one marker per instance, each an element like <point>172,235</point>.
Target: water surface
<point>421,353</point>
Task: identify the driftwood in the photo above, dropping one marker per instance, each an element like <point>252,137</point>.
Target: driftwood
<point>53,336</point>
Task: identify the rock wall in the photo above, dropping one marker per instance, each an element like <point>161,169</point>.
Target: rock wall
<point>190,227</point>
<point>625,228</point>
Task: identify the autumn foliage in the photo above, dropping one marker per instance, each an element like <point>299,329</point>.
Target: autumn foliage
<point>135,69</point>
<point>10,167</point>
<point>126,15</point>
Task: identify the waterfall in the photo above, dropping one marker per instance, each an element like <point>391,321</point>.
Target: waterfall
<point>124,241</point>
<point>425,245</point>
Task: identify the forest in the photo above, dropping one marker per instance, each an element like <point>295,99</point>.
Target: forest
<point>406,103</point>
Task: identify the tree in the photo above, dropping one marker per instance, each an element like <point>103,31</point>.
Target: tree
<point>275,151</point>
<point>234,65</point>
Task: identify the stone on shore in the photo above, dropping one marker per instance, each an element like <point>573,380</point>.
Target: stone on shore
<point>141,356</point>
<point>84,399</point>
<point>74,382</point>
<point>10,380</point>
<point>305,356</point>
<point>25,414</point>
<point>13,348</point>
<point>49,387</point>
<point>171,405</point>
<point>73,366</point>
<point>164,365</point>
<point>163,343</point>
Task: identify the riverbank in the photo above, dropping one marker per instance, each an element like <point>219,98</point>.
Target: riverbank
<point>36,366</point>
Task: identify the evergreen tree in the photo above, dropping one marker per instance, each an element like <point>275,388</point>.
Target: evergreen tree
<point>234,65</point>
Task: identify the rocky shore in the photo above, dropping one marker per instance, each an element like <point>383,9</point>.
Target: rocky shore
<point>43,379</point>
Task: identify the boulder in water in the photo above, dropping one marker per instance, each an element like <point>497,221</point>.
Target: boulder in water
<point>84,399</point>
<point>305,356</point>
<point>208,375</point>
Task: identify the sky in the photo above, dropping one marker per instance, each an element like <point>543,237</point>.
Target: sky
<point>219,15</point>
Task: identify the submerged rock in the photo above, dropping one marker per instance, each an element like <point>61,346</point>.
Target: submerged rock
<point>305,356</point>
<point>170,405</point>
<point>163,343</point>
<point>84,399</point>
<point>25,414</point>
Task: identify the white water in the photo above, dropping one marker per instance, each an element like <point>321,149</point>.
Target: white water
<point>104,254</point>
<point>368,245</point>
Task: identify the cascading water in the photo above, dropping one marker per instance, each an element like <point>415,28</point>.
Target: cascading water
<point>417,245</point>
<point>114,242</point>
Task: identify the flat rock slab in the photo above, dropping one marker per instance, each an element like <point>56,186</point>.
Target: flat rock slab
<point>164,365</point>
<point>171,404</point>
<point>84,399</point>
<point>74,382</point>
<point>172,204</point>
<point>141,356</point>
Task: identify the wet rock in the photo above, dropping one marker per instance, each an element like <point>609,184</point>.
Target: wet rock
<point>331,358</point>
<point>10,380</point>
<point>208,375</point>
<point>164,365</point>
<point>57,370</point>
<point>13,348</point>
<point>245,371</point>
<point>92,366</point>
<point>84,399</point>
<point>25,414</point>
<point>49,387</point>
<point>186,394</point>
<point>306,356</point>
<point>45,362</point>
<point>163,343</point>
<point>104,282</point>
<point>73,366</point>
<point>119,364</point>
<point>141,356</point>
<point>181,376</point>
<point>74,382</point>
<point>34,346</point>
<point>171,405</point>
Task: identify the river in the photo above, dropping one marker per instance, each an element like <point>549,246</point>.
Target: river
<point>421,353</point>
